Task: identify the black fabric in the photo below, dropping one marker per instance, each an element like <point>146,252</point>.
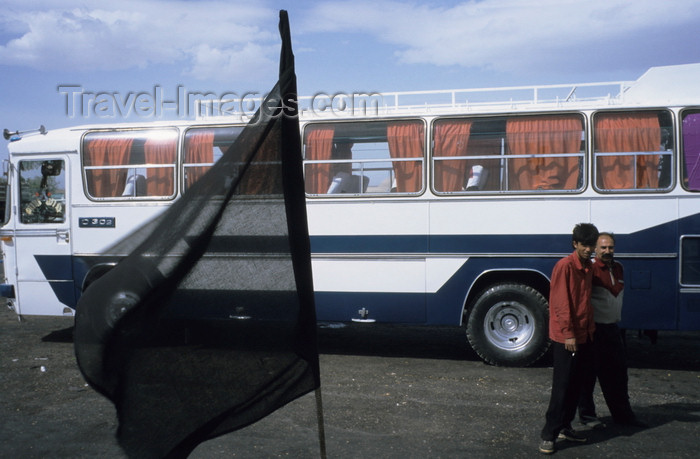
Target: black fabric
<point>209,324</point>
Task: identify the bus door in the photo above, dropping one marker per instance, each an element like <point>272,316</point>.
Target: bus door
<point>43,237</point>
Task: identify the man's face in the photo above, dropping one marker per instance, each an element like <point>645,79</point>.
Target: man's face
<point>583,250</point>
<point>605,249</point>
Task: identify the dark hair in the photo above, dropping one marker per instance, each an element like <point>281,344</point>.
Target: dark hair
<point>605,233</point>
<point>585,233</point>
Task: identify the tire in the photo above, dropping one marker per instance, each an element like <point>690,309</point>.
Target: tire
<point>95,273</point>
<point>507,325</point>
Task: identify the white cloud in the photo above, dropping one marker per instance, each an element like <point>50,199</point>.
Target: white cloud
<point>248,59</point>
<point>237,39</point>
<point>506,35</point>
<point>226,38</point>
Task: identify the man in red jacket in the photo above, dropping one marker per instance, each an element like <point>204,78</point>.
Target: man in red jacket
<point>571,328</point>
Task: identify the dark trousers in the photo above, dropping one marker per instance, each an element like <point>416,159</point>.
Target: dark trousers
<point>610,368</point>
<point>567,377</point>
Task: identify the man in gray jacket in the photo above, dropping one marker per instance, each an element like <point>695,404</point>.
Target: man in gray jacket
<point>608,347</point>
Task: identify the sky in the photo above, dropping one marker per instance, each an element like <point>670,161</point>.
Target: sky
<point>71,62</point>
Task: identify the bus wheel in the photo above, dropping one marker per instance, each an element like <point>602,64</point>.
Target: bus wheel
<point>507,325</point>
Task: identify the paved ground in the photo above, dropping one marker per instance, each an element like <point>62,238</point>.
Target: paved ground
<point>391,392</point>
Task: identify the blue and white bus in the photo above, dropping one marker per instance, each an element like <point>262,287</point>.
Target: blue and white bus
<point>444,213</point>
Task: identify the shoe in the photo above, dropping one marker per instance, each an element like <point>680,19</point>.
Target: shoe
<point>571,435</point>
<point>546,447</point>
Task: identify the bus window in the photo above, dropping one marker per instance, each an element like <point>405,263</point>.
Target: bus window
<point>691,150</point>
<point>373,157</point>
<point>633,151</point>
<point>203,147</point>
<point>130,164</point>
<point>516,154</point>
<point>42,191</point>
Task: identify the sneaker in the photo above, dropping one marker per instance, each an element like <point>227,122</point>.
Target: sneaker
<point>546,447</point>
<point>571,435</point>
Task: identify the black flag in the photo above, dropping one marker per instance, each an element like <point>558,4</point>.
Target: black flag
<point>208,325</point>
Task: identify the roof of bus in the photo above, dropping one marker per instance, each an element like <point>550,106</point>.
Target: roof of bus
<point>669,85</point>
<point>674,85</point>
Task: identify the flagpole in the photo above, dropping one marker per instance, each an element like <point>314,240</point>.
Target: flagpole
<point>296,204</point>
<point>321,428</point>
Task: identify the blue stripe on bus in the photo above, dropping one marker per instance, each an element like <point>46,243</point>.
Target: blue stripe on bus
<point>369,244</point>
<point>649,240</point>
<point>421,244</point>
<point>57,270</point>
<point>55,267</point>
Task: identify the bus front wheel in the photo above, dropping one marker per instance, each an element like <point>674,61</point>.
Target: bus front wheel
<point>507,325</point>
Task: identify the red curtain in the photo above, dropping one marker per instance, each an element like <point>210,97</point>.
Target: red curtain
<point>106,183</point>
<point>318,146</point>
<point>199,148</point>
<point>627,132</point>
<point>406,141</point>
<point>160,181</point>
<point>542,135</point>
<point>451,138</point>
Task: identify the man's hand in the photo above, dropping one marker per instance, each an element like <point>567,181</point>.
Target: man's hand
<point>570,344</point>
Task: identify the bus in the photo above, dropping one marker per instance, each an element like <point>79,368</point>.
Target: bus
<point>450,212</point>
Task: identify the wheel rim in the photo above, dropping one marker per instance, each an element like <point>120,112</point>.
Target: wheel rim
<point>509,325</point>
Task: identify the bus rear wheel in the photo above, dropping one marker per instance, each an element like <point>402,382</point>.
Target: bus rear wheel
<point>507,325</point>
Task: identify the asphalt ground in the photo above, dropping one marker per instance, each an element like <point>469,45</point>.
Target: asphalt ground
<point>387,392</point>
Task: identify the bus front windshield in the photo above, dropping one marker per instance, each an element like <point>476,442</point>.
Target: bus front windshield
<point>42,191</point>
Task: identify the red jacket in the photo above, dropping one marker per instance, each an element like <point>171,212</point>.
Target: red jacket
<point>570,311</point>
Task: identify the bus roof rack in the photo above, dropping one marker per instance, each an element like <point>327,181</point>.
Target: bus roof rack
<point>659,85</point>
<point>430,101</point>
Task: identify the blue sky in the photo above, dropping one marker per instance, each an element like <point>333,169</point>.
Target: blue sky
<point>52,51</point>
